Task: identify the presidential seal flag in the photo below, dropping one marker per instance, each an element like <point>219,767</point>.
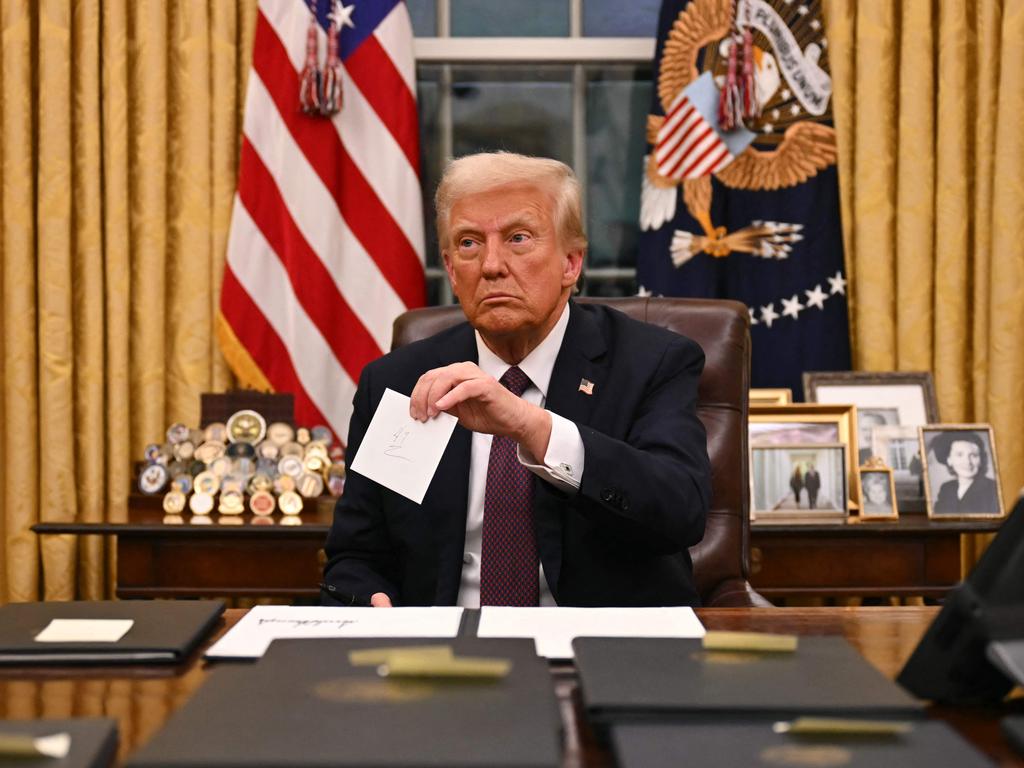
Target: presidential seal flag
<point>326,243</point>
<point>740,198</point>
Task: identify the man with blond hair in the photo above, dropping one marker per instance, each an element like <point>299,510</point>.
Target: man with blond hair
<point>578,474</point>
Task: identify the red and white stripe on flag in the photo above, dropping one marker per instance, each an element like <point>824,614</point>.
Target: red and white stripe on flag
<point>326,244</point>
<point>688,146</point>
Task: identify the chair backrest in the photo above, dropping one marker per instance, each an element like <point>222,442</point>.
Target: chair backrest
<point>722,328</point>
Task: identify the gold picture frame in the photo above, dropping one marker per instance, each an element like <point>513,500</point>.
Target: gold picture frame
<point>875,480</point>
<point>771,396</point>
<point>946,466</point>
<point>796,423</point>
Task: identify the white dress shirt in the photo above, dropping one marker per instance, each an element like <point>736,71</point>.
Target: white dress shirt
<point>562,465</point>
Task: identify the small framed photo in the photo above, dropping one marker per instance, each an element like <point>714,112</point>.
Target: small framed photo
<point>878,494</point>
<point>763,396</point>
<point>799,423</point>
<point>899,448</point>
<point>961,474</point>
<point>882,399</point>
<point>800,482</point>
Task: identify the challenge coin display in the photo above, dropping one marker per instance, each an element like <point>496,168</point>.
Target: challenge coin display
<point>241,465</point>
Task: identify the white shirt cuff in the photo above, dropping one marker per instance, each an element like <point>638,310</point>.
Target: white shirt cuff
<point>563,462</point>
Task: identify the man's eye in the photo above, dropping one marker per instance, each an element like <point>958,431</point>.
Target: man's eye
<point>520,237</point>
<point>465,243</point>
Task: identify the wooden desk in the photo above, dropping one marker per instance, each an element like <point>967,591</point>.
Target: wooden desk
<point>143,698</point>
<point>912,556</point>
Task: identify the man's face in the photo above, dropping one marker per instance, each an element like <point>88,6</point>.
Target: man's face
<point>505,263</point>
<point>964,459</point>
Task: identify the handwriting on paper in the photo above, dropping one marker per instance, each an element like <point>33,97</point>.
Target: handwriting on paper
<point>398,442</point>
<point>399,452</point>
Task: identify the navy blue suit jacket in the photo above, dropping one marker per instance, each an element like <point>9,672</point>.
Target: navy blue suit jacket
<point>622,540</point>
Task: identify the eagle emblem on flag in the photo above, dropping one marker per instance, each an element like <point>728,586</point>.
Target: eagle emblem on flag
<point>788,141</point>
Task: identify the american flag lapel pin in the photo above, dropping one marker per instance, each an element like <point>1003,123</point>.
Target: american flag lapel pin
<point>586,386</point>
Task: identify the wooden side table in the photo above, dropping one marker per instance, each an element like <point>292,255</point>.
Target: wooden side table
<point>912,556</point>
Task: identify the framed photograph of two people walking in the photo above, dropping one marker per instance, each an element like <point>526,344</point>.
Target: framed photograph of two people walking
<point>961,474</point>
<point>803,482</point>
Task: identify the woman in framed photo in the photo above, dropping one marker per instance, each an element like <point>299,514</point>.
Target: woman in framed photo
<point>965,456</point>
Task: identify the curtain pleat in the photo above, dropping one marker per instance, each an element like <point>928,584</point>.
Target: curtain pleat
<point>21,475</point>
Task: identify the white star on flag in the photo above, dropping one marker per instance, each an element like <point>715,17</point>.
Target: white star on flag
<point>769,315</point>
<point>791,307</point>
<point>641,291</point>
<point>816,298</point>
<point>753,317</point>
<point>837,284</point>
<point>341,16</point>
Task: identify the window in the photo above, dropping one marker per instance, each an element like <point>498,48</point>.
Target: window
<point>569,79</point>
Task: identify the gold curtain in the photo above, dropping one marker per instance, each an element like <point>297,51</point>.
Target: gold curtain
<point>119,139</point>
<point>929,100</point>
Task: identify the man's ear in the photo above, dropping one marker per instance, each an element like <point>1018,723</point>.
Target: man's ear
<point>572,267</point>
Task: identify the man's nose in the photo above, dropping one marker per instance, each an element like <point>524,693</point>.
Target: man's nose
<point>493,259</point>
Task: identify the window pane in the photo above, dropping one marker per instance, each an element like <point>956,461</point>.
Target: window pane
<point>614,18</point>
<point>618,99</point>
<point>524,109</point>
<point>523,18</point>
<point>428,95</point>
<point>424,17</point>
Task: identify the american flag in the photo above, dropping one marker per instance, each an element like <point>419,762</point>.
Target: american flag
<point>326,242</point>
<point>690,142</point>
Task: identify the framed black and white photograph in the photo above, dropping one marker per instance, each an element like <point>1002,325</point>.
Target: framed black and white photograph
<point>961,473</point>
<point>802,481</point>
<point>900,449</point>
<point>877,494</point>
<point>882,399</point>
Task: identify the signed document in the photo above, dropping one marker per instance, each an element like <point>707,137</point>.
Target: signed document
<point>399,452</point>
<point>251,636</point>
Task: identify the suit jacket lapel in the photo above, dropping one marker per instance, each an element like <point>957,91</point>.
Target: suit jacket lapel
<point>448,493</point>
<point>580,360</point>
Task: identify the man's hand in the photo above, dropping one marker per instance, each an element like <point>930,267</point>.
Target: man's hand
<point>481,404</point>
<point>380,600</point>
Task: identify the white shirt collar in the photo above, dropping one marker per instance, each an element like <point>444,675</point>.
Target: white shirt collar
<point>538,365</point>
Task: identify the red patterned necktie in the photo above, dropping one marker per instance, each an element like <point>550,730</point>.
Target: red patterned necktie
<point>508,557</point>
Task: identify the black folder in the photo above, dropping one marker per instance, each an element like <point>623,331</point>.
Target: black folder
<point>93,742</point>
<point>1013,730</point>
<point>655,678</point>
<point>728,745</point>
<point>164,631</point>
<point>304,704</point>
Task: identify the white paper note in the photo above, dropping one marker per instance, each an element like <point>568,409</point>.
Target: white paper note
<point>399,452</point>
<point>251,636</point>
<point>553,629</point>
<point>84,631</point>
